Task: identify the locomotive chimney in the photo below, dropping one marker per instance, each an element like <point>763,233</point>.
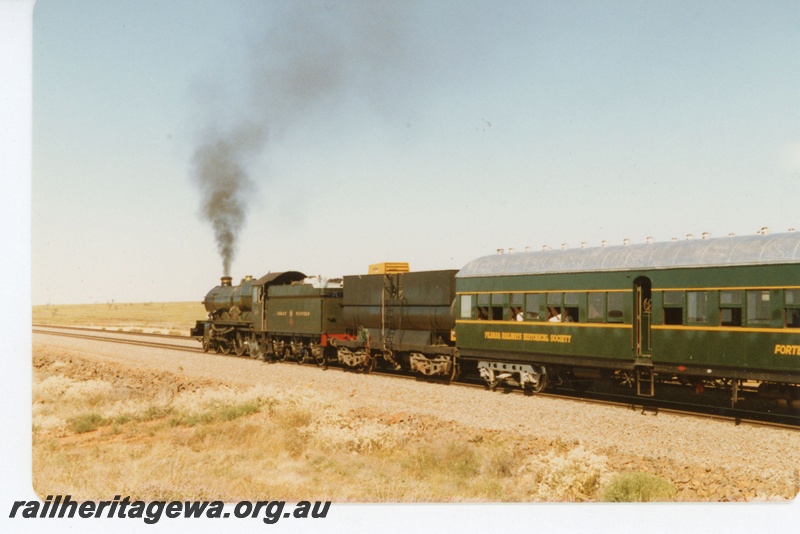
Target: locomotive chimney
<point>225,281</point>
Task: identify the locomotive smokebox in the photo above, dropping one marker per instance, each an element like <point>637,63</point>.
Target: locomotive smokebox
<point>226,296</point>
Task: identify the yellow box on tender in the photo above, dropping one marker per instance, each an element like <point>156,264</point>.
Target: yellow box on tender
<point>388,267</point>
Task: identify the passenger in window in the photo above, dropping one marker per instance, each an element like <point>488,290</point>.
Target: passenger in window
<point>556,316</point>
<point>517,313</point>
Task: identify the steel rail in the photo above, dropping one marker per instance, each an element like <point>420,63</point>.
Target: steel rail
<point>654,406</point>
<point>111,339</point>
<point>115,332</point>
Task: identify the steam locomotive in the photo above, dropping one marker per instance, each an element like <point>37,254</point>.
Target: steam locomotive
<point>401,318</point>
<point>717,314</point>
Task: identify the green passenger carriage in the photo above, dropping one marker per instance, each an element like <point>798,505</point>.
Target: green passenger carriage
<point>704,312</point>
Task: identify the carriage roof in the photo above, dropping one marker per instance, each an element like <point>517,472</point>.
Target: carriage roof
<point>717,252</point>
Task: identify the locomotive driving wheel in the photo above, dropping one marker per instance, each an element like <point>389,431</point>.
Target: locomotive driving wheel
<point>302,355</point>
<point>224,346</point>
<point>256,348</point>
<point>284,354</point>
<point>239,345</point>
<point>317,355</point>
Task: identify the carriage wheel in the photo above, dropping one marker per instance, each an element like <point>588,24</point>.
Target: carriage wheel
<point>530,390</point>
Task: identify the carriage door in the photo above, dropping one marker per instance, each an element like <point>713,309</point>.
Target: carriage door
<point>641,320</point>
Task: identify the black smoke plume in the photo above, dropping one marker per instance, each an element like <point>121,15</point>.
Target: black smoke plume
<point>311,58</point>
<point>218,170</point>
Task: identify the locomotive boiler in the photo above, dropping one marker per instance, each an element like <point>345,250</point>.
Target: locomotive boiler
<point>230,303</point>
<point>229,310</point>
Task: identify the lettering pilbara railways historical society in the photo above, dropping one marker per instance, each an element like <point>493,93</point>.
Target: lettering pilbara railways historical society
<point>520,336</point>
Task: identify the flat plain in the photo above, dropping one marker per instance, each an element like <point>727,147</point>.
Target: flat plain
<point>157,424</point>
<point>166,317</point>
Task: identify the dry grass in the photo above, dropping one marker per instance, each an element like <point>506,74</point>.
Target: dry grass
<point>92,439</point>
<point>638,487</point>
<point>175,317</point>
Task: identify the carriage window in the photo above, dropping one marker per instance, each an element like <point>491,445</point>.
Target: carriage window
<point>532,303</point>
<point>571,307</point>
<point>466,306</point>
<point>696,306</point>
<point>517,301</point>
<point>730,308</point>
<point>498,302</point>
<point>483,306</point>
<point>730,297</point>
<point>730,317</point>
<point>597,307</point>
<point>673,307</point>
<point>554,301</point>
<point>792,310</point>
<point>758,308</point>
<point>615,313</point>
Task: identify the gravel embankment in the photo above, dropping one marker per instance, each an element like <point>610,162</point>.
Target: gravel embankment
<point>703,458</point>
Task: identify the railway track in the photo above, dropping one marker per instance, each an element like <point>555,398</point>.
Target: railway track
<point>111,337</point>
<point>104,331</point>
<point>644,406</point>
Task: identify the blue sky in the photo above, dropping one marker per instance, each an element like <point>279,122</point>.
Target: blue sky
<point>432,133</point>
